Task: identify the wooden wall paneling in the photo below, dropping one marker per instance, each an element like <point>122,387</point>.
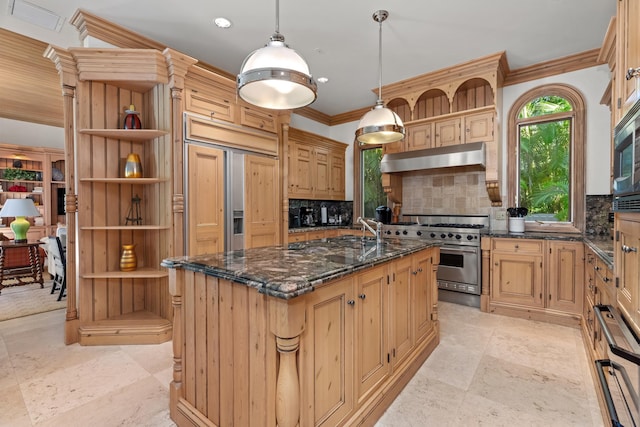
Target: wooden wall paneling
<point>189,330</point>
<point>227,393</point>
<point>262,192</point>
<point>213,347</point>
<point>240,345</point>
<point>30,86</point>
<point>99,194</point>
<point>199,330</point>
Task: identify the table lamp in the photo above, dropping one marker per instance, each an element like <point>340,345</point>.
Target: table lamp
<point>19,208</point>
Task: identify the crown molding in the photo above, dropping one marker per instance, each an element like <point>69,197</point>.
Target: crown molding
<point>579,61</point>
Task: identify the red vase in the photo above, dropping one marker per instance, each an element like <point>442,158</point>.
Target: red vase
<point>132,119</point>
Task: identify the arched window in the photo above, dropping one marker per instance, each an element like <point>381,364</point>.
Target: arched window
<point>545,161</point>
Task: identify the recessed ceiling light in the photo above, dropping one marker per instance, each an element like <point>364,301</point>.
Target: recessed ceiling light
<point>323,79</point>
<point>222,22</point>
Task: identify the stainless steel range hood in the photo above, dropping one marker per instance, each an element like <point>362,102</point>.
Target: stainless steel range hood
<point>472,154</point>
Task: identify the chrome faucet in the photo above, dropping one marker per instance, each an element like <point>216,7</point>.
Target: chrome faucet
<point>365,225</point>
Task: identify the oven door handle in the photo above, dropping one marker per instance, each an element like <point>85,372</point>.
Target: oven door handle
<point>611,341</point>
<point>601,366</point>
<point>459,249</point>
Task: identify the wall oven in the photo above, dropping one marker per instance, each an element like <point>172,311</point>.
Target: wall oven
<point>619,372</point>
<point>626,161</point>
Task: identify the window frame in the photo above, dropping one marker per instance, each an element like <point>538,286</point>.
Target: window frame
<point>577,153</point>
<point>358,197</point>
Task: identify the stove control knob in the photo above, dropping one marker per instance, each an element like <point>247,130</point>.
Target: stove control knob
<point>419,233</point>
<point>458,236</point>
<point>432,235</point>
<point>442,236</point>
<point>387,232</point>
<point>397,233</point>
<point>450,234</point>
<point>404,232</point>
<point>469,237</point>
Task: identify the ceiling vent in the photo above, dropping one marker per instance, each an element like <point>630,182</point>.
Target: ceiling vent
<point>35,15</point>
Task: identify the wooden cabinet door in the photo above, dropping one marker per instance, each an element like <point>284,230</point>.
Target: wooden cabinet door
<point>321,183</point>
<point>205,200</point>
<point>304,165</point>
<point>478,127</point>
<point>337,190</point>
<point>627,247</point>
<point>371,331</point>
<point>517,279</point>
<point>628,51</point>
<point>400,309</point>
<point>447,132</point>
<point>327,355</point>
<point>419,137</point>
<point>565,279</point>
<point>425,293</point>
<point>261,210</point>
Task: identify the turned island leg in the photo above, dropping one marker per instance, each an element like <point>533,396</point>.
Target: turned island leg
<point>287,324</point>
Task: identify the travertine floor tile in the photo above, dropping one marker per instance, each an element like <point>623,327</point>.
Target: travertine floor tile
<point>488,370</point>
<point>68,388</point>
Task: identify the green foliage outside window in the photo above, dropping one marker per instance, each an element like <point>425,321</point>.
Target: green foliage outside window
<point>372,192</point>
<point>545,154</point>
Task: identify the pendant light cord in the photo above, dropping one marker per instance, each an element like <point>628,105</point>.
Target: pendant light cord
<point>277,16</point>
<point>380,61</point>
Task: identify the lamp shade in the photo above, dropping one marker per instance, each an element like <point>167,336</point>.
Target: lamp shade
<point>380,125</point>
<point>276,77</point>
<point>19,208</point>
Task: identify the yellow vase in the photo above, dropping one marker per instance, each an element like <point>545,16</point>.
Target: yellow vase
<point>133,166</point>
<point>128,261</point>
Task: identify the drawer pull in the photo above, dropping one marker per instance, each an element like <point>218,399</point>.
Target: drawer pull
<point>626,249</point>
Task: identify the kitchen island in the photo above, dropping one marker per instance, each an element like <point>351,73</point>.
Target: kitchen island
<point>324,332</point>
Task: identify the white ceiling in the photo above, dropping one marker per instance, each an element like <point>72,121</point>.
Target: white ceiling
<point>339,39</point>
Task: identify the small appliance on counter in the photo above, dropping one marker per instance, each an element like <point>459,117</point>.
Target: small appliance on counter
<point>383,214</point>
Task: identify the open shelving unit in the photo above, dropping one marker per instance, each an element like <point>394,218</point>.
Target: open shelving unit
<point>114,306</point>
<point>35,180</point>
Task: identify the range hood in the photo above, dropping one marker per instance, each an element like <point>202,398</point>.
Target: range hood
<point>472,154</point>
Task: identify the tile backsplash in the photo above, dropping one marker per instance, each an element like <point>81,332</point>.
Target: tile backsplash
<point>338,212</point>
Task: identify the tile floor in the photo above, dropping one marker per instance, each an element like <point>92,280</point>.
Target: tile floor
<point>488,370</point>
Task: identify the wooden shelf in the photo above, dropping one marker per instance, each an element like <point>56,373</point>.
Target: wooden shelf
<point>124,227</point>
<point>141,273</point>
<point>126,134</point>
<point>126,180</point>
<point>138,327</point>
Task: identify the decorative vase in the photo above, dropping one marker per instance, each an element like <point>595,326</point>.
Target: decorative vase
<point>133,166</point>
<point>132,119</point>
<point>128,261</point>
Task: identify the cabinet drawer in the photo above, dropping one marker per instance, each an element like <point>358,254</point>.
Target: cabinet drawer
<point>297,237</point>
<point>518,246</point>
<point>214,104</point>
<point>257,119</point>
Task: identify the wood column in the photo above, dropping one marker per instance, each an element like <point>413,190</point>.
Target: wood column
<point>286,321</point>
<point>65,64</point>
<point>485,296</point>
<point>176,289</point>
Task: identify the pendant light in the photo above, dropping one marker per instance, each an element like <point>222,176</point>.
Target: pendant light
<point>275,76</point>
<point>381,125</point>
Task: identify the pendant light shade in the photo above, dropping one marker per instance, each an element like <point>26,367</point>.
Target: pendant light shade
<point>275,76</point>
<point>381,125</point>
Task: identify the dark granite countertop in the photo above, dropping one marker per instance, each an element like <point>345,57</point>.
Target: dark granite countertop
<point>297,268</point>
<point>321,227</point>
<point>602,246</point>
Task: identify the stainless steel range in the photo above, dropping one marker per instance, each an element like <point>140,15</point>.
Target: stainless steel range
<point>459,273</point>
